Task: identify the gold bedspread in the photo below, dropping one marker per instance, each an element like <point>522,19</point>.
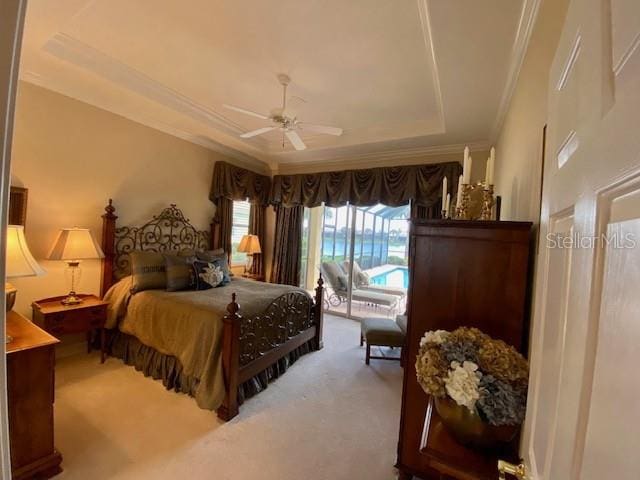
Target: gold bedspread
<point>188,325</point>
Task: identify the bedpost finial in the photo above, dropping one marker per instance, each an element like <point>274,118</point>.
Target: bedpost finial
<point>110,209</point>
<point>320,280</point>
<point>233,307</point>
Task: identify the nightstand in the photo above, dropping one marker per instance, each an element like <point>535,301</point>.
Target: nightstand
<point>86,317</point>
<point>253,276</point>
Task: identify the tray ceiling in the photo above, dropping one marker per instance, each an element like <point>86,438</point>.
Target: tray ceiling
<point>402,77</point>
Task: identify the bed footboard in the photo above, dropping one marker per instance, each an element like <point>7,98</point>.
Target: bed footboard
<point>250,345</point>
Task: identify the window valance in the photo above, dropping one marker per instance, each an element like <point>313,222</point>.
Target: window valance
<point>393,186</point>
<point>237,183</point>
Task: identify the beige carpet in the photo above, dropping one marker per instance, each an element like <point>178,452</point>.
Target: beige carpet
<point>329,417</point>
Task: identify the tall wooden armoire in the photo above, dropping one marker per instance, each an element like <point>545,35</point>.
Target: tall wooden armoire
<point>463,273</point>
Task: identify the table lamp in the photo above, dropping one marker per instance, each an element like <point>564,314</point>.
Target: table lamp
<point>19,263</point>
<point>250,244</point>
<point>72,246</point>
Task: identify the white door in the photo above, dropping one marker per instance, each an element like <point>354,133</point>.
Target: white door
<point>11,22</point>
<point>584,402</point>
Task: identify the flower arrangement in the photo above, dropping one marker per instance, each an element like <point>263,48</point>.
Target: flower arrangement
<point>486,376</point>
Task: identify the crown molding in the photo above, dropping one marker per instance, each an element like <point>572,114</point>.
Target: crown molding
<point>78,53</point>
<point>380,159</point>
<point>528,16</point>
<point>242,159</point>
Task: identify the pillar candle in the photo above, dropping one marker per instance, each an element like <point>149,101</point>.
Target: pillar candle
<point>444,188</point>
<point>467,171</point>
<point>459,197</point>
<point>466,166</point>
<point>493,165</point>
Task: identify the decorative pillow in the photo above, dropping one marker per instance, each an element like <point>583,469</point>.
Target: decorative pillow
<point>217,255</point>
<point>342,281</point>
<point>209,275</point>
<point>179,272</point>
<point>148,271</point>
<point>362,279</point>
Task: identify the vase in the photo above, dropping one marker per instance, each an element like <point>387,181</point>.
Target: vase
<point>470,430</point>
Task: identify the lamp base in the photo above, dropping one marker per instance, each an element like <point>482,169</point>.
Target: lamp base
<point>10,296</point>
<point>71,299</point>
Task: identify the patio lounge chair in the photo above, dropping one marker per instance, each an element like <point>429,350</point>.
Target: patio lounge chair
<point>361,282</point>
<point>333,273</point>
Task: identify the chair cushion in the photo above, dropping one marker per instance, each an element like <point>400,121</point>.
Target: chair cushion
<point>382,331</point>
<point>333,274</point>
<point>374,297</point>
<point>401,320</point>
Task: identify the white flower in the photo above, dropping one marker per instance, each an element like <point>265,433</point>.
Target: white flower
<point>462,384</point>
<point>436,336</point>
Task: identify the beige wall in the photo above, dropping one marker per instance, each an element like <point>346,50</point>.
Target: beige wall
<point>73,157</point>
<point>519,146</point>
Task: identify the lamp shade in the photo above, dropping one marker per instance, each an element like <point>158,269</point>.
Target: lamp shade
<point>249,244</point>
<point>20,262</point>
<point>75,244</point>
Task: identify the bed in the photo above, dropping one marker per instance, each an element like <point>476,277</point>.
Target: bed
<point>202,343</point>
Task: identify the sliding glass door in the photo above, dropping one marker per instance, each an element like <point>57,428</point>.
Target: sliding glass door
<point>363,255</point>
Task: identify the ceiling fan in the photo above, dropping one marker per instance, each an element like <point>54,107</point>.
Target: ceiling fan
<point>282,120</point>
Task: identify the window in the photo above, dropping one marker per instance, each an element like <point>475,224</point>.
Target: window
<point>304,248</point>
<point>239,228</point>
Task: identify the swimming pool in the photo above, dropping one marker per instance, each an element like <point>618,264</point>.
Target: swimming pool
<point>398,277</point>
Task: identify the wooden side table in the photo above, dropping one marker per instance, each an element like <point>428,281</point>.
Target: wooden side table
<point>86,317</point>
<point>30,394</point>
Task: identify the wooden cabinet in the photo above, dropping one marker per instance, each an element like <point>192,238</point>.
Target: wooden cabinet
<point>30,376</point>
<point>463,273</point>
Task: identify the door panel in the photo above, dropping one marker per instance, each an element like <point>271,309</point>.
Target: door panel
<point>625,33</point>
<point>583,404</point>
<point>556,289</point>
<point>614,403</point>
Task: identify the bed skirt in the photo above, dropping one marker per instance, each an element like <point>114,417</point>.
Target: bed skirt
<point>169,369</point>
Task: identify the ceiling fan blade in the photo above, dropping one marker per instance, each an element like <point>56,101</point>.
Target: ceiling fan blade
<point>295,139</point>
<point>259,131</point>
<point>321,129</point>
<point>246,112</point>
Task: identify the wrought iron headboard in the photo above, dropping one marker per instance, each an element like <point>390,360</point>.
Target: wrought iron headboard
<point>169,231</point>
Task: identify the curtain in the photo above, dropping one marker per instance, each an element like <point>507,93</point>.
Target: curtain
<point>257,227</point>
<point>392,186</point>
<point>224,221</point>
<point>420,212</point>
<point>238,183</point>
<point>287,245</point>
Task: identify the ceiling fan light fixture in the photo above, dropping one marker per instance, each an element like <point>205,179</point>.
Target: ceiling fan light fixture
<point>285,120</point>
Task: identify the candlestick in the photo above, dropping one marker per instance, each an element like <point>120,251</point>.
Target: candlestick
<point>487,202</point>
<point>448,203</point>
<point>462,211</point>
